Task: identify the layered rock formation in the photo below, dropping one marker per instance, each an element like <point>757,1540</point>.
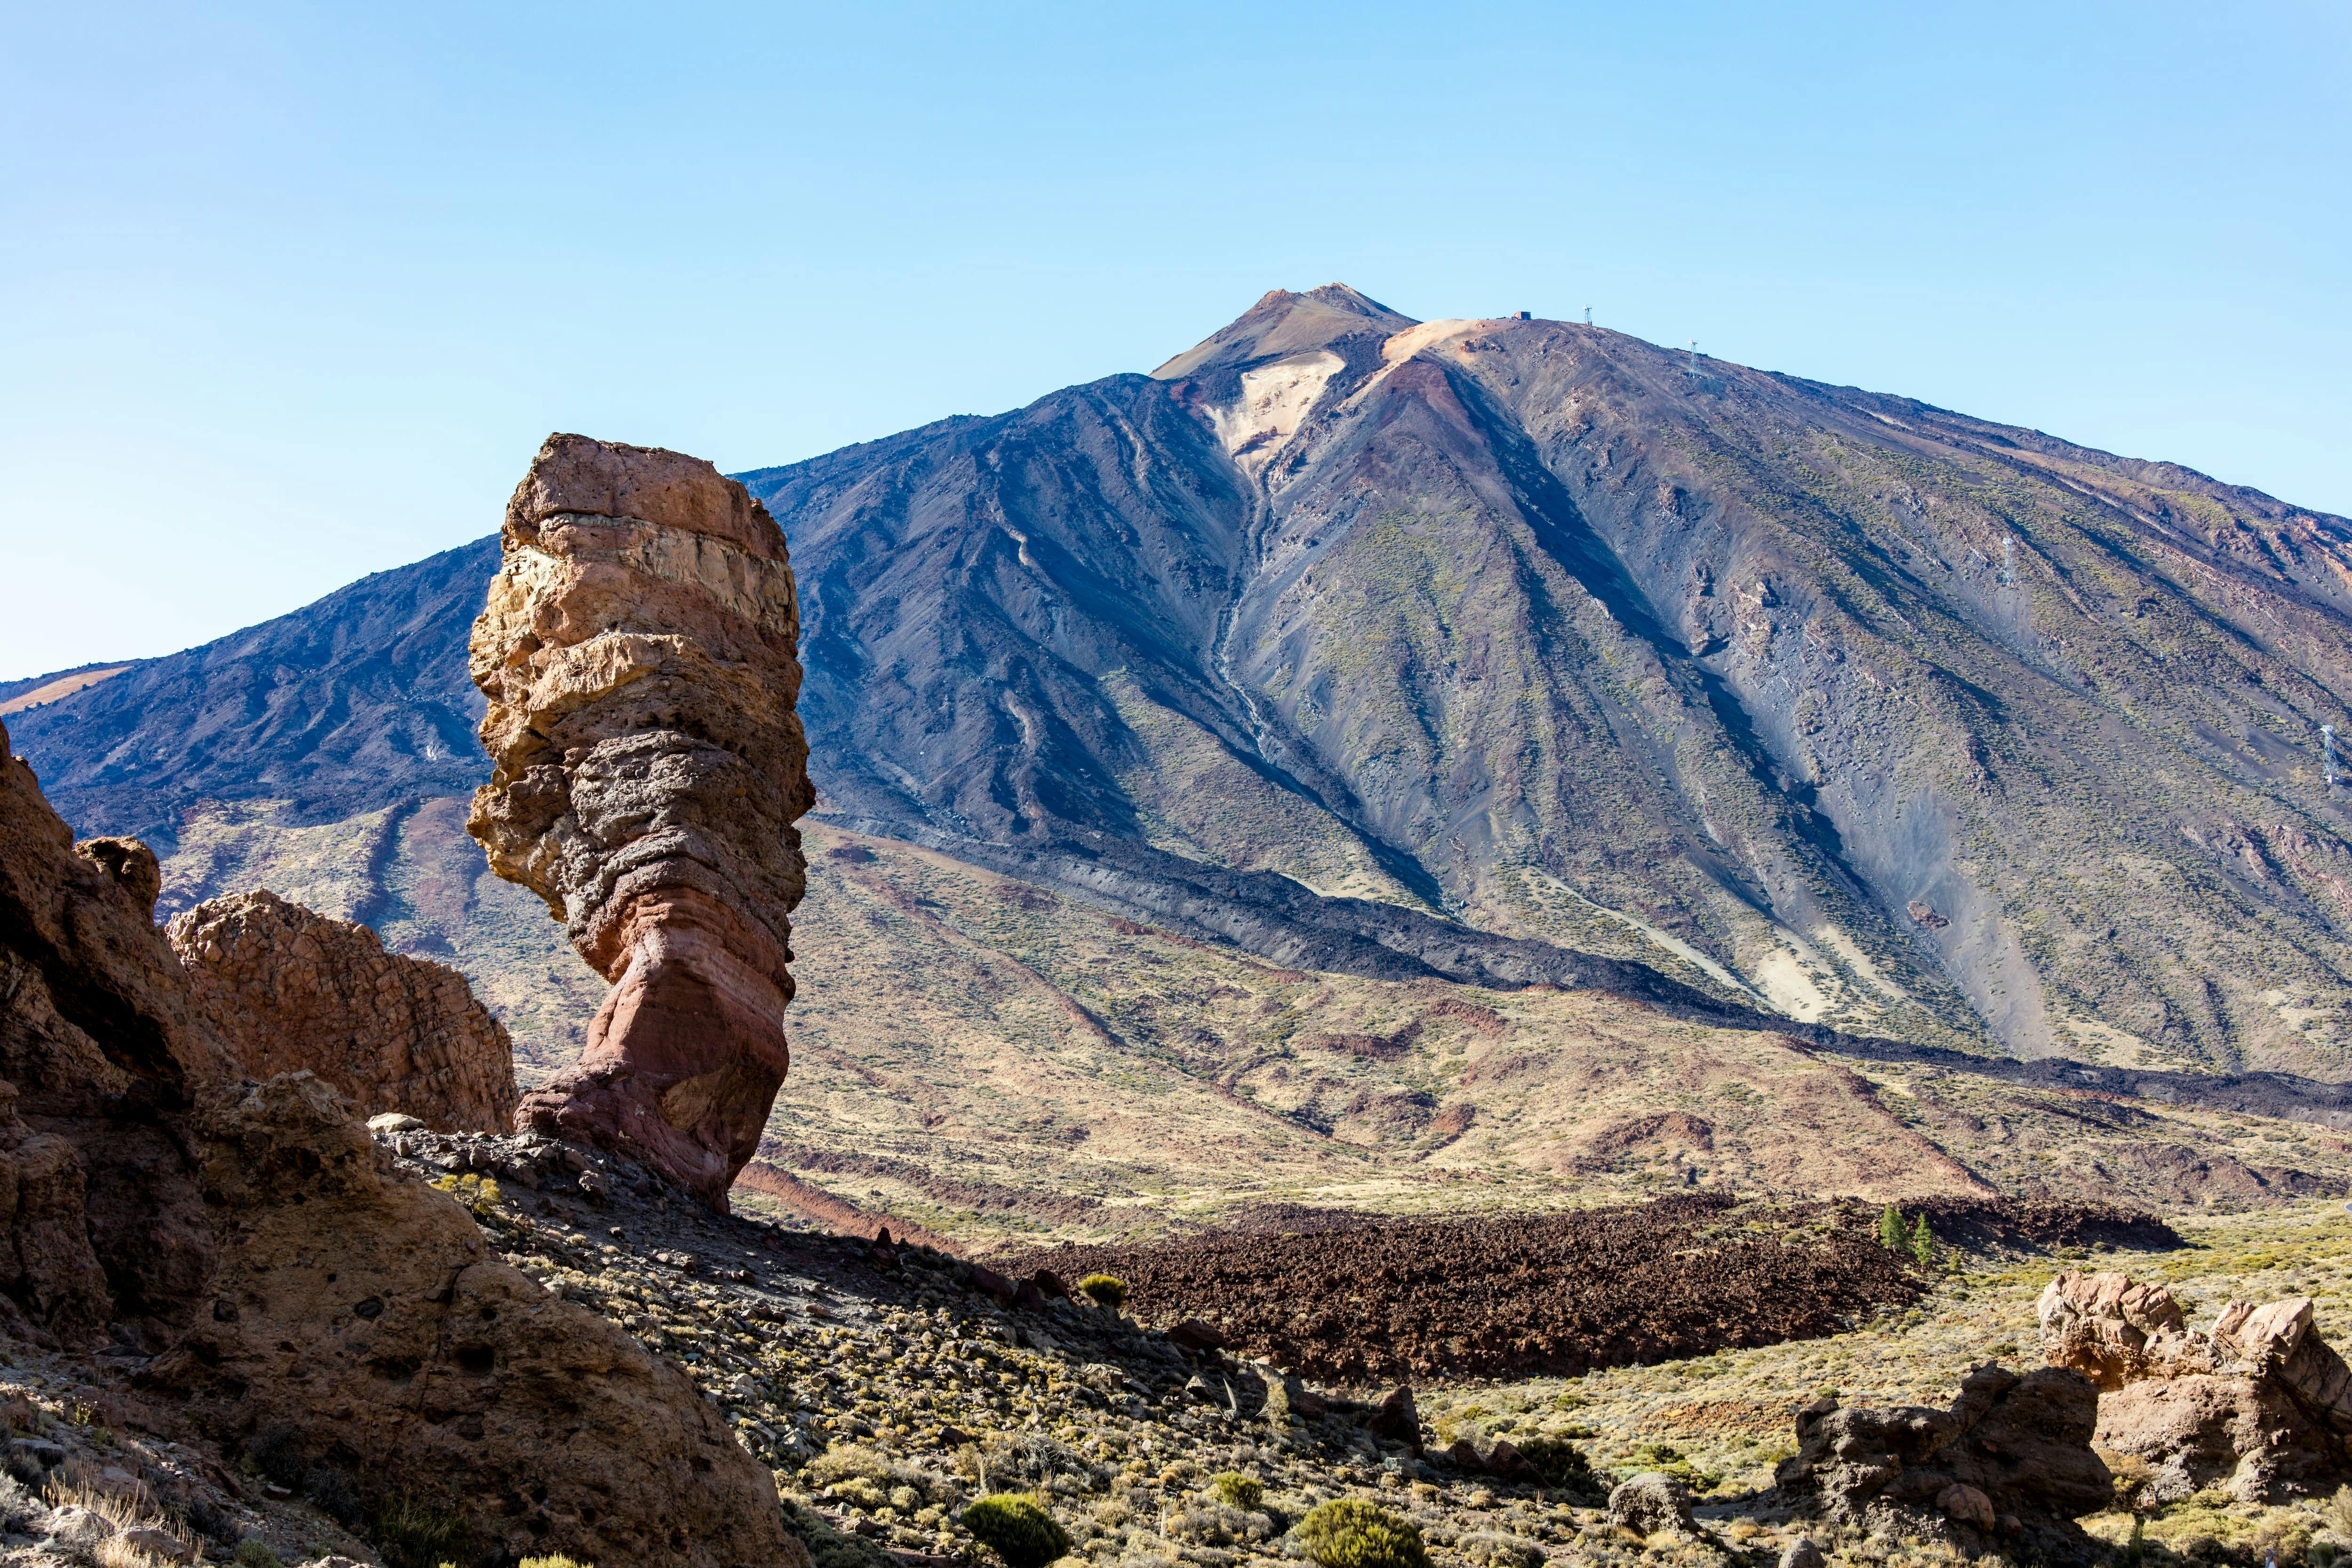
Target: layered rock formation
<point>2009,1464</point>
<point>639,654</point>
<point>2259,1405</point>
<point>293,991</point>
<point>248,1248</point>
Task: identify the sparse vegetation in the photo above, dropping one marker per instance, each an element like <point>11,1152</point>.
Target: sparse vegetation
<point>414,1534</point>
<point>1890,1228</point>
<point>1235,1490</point>
<point>1104,1290</point>
<point>254,1553</point>
<point>1018,1529</point>
<point>1348,1532</point>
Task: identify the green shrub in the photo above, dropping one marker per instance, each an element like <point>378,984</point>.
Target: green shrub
<point>1016,1527</point>
<point>413,1534</point>
<point>1559,1462</point>
<point>1347,1532</point>
<point>1235,1490</point>
<point>254,1553</point>
<point>1668,1460</point>
<point>1104,1290</point>
<point>554,1562</point>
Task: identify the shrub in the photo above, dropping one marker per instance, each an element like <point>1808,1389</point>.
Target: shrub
<point>1237,1491</point>
<point>1017,1528</point>
<point>1496,1550</point>
<point>1104,1290</point>
<point>254,1553</point>
<point>413,1534</point>
<point>554,1562</point>
<point>1347,1532</point>
<point>1558,1462</point>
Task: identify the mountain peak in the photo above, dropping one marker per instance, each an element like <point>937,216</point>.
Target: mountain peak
<point>1283,323</point>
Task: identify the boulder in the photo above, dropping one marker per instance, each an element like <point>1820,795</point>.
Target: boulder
<point>639,653</point>
<point>1195,1336</point>
<point>1287,1396</point>
<point>2010,1447</point>
<point>293,991</point>
<point>1649,1503</point>
<point>1801,1553</point>
<point>2113,1329</point>
<point>1396,1418</point>
<point>2259,1405</point>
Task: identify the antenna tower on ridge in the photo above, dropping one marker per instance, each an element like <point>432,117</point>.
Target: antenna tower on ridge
<point>1694,364</point>
<point>1587,315</point>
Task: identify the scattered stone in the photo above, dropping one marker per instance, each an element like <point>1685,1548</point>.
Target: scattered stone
<point>158,1543</point>
<point>1395,1418</point>
<point>1801,1553</point>
<point>1651,1502</point>
<point>639,653</point>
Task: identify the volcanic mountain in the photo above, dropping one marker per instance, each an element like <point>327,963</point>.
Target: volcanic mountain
<point>1413,661</point>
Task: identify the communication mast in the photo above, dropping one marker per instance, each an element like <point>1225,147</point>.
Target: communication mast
<point>1587,315</point>
<point>1694,358</point>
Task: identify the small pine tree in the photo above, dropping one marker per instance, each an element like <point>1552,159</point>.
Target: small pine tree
<point>1923,1242</point>
<point>1890,1229</point>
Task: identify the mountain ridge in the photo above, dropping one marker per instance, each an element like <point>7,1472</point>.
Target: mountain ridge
<point>1905,723</point>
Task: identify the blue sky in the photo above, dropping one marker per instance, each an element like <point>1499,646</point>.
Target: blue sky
<point>289,294</point>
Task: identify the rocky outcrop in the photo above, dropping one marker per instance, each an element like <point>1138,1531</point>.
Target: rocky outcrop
<point>358,1325</point>
<point>2259,1405</point>
<point>2009,1464</point>
<point>293,991</point>
<point>99,1051</point>
<point>279,1288</point>
<point>638,650</point>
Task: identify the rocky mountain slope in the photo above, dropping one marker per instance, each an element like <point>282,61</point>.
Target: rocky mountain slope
<point>1905,719</point>
<point>1489,656</point>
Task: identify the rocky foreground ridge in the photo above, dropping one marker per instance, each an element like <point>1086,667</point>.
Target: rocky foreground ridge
<point>274,1285</point>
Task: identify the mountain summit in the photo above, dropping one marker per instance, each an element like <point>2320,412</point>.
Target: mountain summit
<point>1504,651</point>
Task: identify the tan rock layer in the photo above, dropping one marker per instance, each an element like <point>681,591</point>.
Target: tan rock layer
<point>638,650</point>
<point>2260,1404</point>
<point>295,991</point>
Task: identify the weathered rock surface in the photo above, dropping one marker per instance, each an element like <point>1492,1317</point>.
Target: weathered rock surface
<point>1651,1502</point>
<point>2259,1405</point>
<point>252,1253</point>
<point>101,1048</point>
<point>294,990</point>
<point>2010,1460</point>
<point>359,1319</point>
<point>639,653</point>
<point>2114,1330</point>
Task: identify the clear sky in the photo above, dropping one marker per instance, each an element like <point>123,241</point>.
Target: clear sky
<point>290,293</point>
